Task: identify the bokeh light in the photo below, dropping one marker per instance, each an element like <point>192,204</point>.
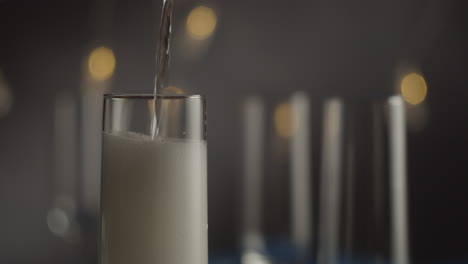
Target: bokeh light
<point>58,221</point>
<point>283,120</point>
<point>101,63</point>
<point>6,97</point>
<point>173,90</point>
<point>170,90</point>
<point>414,88</point>
<point>201,22</point>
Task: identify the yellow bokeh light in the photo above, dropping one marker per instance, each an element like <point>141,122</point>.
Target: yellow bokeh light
<point>201,22</point>
<point>283,120</point>
<point>101,63</point>
<point>413,88</point>
<point>172,90</point>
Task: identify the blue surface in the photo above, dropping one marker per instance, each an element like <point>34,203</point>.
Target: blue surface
<point>282,252</point>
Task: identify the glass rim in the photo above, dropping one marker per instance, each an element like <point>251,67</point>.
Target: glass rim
<point>152,96</point>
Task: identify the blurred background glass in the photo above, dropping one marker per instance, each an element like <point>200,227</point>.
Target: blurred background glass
<point>363,211</point>
<point>57,58</point>
<point>275,196</point>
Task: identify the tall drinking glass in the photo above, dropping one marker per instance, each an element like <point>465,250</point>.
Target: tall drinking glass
<point>363,201</point>
<point>276,200</point>
<point>154,180</point>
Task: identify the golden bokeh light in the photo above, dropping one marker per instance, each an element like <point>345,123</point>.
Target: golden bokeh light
<point>173,90</point>
<point>170,90</point>
<point>283,120</point>
<point>6,97</point>
<point>201,22</point>
<point>101,63</point>
<point>414,88</point>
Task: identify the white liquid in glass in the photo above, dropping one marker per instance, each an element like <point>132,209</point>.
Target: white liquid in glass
<point>154,201</point>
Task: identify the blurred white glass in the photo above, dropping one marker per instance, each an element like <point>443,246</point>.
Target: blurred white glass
<point>62,216</point>
<point>363,193</point>
<point>276,223</point>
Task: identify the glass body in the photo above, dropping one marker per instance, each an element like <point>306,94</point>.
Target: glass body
<point>153,186</point>
<point>276,223</point>
<point>363,193</point>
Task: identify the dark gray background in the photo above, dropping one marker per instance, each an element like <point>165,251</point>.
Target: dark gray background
<point>326,48</point>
